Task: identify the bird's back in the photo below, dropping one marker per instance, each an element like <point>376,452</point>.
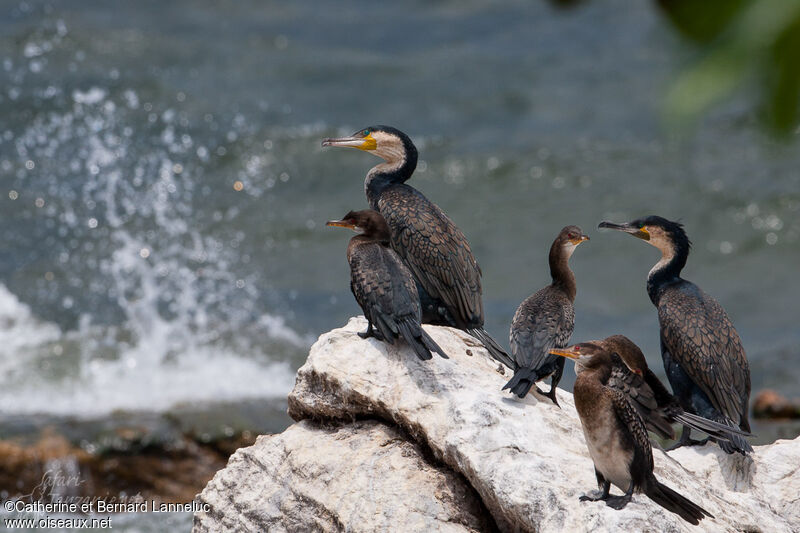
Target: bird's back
<point>435,250</point>
<point>543,321</point>
<point>700,337</point>
<point>381,284</point>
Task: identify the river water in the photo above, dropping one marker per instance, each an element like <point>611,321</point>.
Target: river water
<point>163,191</point>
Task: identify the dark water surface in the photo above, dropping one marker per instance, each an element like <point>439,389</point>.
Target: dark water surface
<point>136,276</point>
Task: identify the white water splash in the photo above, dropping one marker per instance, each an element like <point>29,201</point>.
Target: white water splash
<point>136,380</point>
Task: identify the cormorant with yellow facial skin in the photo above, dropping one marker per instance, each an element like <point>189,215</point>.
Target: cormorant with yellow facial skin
<point>618,444</point>
<point>383,286</point>
<point>432,247</point>
<point>630,374</point>
<point>703,356</point>
<point>545,320</point>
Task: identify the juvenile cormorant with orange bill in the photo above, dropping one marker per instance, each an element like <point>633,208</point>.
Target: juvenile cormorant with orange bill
<point>630,374</point>
<point>383,286</point>
<point>618,443</point>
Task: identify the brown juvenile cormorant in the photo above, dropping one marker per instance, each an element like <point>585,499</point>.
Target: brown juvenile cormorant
<point>703,356</point>
<point>618,444</point>
<point>433,248</point>
<point>630,374</point>
<point>382,285</point>
<point>545,320</point>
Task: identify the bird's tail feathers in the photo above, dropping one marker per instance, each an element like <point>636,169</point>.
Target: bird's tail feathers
<point>719,430</point>
<point>430,343</point>
<point>674,502</point>
<point>521,383</point>
<point>419,340</point>
<point>494,349</point>
<point>735,443</point>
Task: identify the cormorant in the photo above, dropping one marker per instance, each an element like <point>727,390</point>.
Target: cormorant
<point>545,320</point>
<point>618,444</point>
<point>382,285</point>
<point>433,248</point>
<point>630,374</point>
<point>703,356</point>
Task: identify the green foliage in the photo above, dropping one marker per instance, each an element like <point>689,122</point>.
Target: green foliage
<point>740,41</point>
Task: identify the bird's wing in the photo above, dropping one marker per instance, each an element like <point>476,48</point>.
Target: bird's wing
<point>699,335</point>
<point>633,386</point>
<point>630,419</point>
<point>642,397</point>
<point>662,396</point>
<point>436,252</point>
<point>543,321</point>
<point>382,287</point>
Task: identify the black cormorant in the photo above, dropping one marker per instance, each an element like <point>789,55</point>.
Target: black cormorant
<point>630,374</point>
<point>382,284</point>
<point>433,248</point>
<point>618,444</point>
<point>703,356</point>
<point>545,320</point>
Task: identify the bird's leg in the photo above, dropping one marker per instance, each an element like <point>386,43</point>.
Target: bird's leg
<point>601,494</point>
<point>619,502</point>
<point>554,382</point>
<point>539,391</point>
<point>369,333</point>
<point>552,394</point>
<point>686,440</point>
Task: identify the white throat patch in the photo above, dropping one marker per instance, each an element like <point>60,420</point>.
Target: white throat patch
<point>389,148</point>
<point>660,240</point>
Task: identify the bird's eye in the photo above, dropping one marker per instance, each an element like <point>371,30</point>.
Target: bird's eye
<point>571,235</point>
<point>366,132</point>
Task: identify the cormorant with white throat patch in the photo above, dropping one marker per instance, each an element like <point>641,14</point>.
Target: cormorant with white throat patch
<point>703,355</point>
<point>432,247</point>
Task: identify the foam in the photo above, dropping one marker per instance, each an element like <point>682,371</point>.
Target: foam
<point>151,375</point>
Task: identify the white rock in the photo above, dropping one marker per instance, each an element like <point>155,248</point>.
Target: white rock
<point>360,477</point>
<point>527,459</point>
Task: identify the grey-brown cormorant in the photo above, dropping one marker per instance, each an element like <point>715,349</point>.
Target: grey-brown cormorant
<point>433,248</point>
<point>703,356</point>
<point>545,320</point>
<point>618,443</point>
<point>382,284</point>
<point>630,374</point>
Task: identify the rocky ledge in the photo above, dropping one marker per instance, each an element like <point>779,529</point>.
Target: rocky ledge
<point>386,442</point>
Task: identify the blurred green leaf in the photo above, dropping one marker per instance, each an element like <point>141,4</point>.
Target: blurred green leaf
<point>759,44</point>
<point>701,20</point>
<point>783,80</point>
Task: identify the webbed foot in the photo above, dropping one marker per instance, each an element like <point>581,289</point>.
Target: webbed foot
<point>594,496</point>
<point>618,502</point>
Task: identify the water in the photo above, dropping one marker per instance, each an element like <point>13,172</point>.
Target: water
<point>163,191</point>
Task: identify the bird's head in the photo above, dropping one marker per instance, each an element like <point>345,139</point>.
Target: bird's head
<point>627,350</point>
<point>569,238</point>
<point>587,355</point>
<point>386,142</point>
<point>365,222</point>
<point>666,235</point>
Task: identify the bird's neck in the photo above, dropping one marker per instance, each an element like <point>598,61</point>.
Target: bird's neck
<point>396,168</point>
<point>667,271</point>
<point>587,389</point>
<point>562,275</point>
<point>361,240</point>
